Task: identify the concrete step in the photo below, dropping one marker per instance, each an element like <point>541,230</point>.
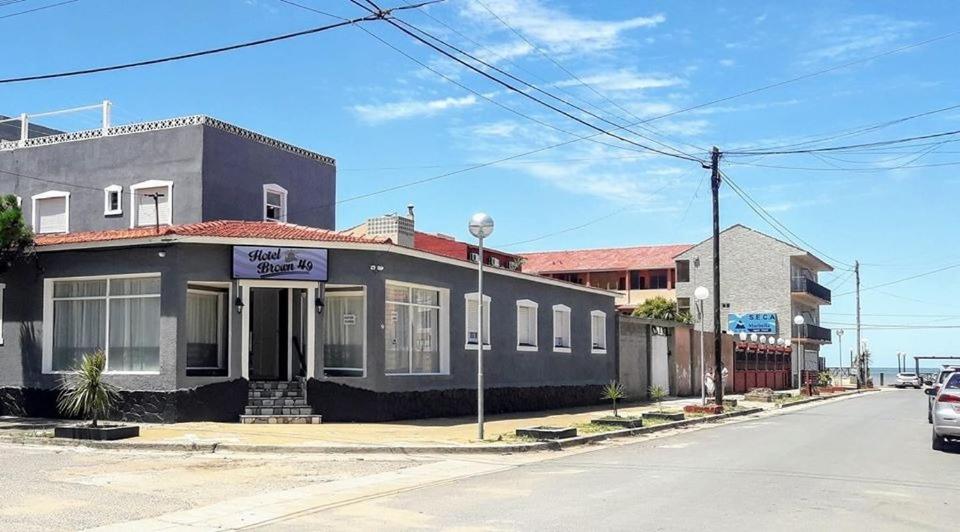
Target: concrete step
<point>274,394</point>
<point>281,419</point>
<point>274,385</point>
<point>277,401</point>
<point>278,410</point>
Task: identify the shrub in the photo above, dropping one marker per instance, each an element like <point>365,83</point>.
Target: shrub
<point>84,393</point>
<point>657,393</point>
<point>613,391</point>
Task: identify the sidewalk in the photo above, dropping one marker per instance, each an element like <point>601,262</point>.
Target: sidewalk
<point>436,433</point>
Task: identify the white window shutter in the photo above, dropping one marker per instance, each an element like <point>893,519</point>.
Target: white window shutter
<point>52,215</point>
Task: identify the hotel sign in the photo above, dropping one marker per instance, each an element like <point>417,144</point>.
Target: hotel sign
<point>273,263</point>
<point>760,322</point>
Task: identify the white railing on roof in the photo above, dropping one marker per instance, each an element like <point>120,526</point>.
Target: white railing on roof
<point>109,131</point>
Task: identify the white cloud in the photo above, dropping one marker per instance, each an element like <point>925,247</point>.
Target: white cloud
<point>507,51</point>
<point>624,80</point>
<point>376,113</point>
<point>853,36</point>
<point>727,62</point>
<point>557,30</point>
<point>503,128</point>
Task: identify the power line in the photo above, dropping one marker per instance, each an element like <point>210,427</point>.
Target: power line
<point>525,94</point>
<point>41,8</point>
<point>776,224</point>
<point>201,53</point>
<point>904,279</point>
<point>849,146</point>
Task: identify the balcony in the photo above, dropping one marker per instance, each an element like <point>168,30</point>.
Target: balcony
<point>812,333</point>
<point>810,289</point>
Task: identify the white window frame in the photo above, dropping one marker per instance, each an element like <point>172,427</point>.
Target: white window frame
<point>47,351</point>
<point>526,303</point>
<point>362,292</point>
<point>569,336</point>
<point>487,301</point>
<point>3,287</point>
<point>443,341</point>
<point>593,333</point>
<point>224,314</point>
<point>276,189</point>
<point>107,192</point>
<point>51,194</point>
<point>153,183</point>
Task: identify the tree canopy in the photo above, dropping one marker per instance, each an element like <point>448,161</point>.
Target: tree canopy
<point>16,239</point>
<point>661,308</point>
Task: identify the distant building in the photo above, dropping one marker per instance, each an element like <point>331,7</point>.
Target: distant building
<point>764,283</point>
<point>637,273</point>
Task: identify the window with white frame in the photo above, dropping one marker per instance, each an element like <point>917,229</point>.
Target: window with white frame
<point>112,201</point>
<point>471,320</point>
<point>119,315</point>
<point>151,203</point>
<point>526,325</point>
<point>207,315</point>
<point>274,203</point>
<point>561,328</point>
<point>2,288</point>
<point>598,331</point>
<point>416,329</point>
<point>51,212</point>
<point>344,332</point>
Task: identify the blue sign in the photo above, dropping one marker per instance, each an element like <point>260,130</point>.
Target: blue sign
<point>762,322</point>
<point>288,264</point>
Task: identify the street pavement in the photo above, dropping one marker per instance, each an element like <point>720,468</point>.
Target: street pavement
<point>863,463</point>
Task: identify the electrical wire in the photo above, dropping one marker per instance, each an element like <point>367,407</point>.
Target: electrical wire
<point>849,146</point>
<point>41,8</point>
<point>904,279</point>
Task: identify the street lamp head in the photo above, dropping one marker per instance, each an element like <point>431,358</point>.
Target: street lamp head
<point>481,225</point>
<point>763,339</point>
<point>753,337</point>
<point>743,337</point>
<point>780,341</point>
<point>701,293</point>
<point>771,341</point>
<point>798,320</point>
<point>839,332</point>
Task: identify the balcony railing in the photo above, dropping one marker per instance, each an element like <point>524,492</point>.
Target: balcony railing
<point>814,333</point>
<point>802,285</point>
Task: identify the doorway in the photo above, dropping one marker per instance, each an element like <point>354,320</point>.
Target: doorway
<point>278,326</point>
<point>269,333</point>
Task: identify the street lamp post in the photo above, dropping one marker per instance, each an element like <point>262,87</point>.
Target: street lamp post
<point>798,321</point>
<point>481,226</point>
<point>840,353</point>
<point>701,294</point>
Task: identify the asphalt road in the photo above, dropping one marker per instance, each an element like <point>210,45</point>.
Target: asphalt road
<point>858,464</point>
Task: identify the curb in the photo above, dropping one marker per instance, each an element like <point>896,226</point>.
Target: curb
<point>361,449</point>
<point>825,397</point>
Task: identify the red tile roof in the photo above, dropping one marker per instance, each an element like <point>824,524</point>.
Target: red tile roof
<point>220,228</point>
<point>608,259</point>
<point>439,245</point>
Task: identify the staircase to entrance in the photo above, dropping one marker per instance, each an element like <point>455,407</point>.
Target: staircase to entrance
<point>278,402</point>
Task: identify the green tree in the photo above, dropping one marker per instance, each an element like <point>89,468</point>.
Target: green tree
<point>85,393</point>
<point>661,308</point>
<point>613,391</point>
<point>16,239</point>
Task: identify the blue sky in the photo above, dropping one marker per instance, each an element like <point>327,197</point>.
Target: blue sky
<point>389,121</point>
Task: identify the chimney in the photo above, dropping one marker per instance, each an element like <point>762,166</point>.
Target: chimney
<point>399,229</point>
<point>410,211</point>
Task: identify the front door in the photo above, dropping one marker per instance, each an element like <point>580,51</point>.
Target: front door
<point>269,333</point>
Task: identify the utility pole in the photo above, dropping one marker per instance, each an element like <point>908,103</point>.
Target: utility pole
<point>717,341</point>
<point>861,377</point>
<point>156,209</point>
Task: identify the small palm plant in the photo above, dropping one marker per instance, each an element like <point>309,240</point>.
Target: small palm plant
<point>84,393</point>
<point>657,393</point>
<point>613,391</point>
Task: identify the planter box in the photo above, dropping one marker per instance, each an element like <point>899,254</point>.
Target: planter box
<point>548,433</point>
<point>729,403</point>
<point>625,422</point>
<point>666,416</point>
<point>699,409</point>
<point>101,433</point>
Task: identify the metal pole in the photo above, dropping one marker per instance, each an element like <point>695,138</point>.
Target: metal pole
<point>703,387</point>
<point>840,357</point>
<point>717,340</point>
<point>480,341</point>
<point>861,376</point>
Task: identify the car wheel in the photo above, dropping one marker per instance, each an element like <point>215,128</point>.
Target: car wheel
<point>938,442</point>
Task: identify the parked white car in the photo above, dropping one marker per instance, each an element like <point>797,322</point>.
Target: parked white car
<point>908,379</point>
<point>935,388</point>
<point>946,412</point>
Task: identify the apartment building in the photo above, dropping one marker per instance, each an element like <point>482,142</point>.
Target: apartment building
<point>635,273</point>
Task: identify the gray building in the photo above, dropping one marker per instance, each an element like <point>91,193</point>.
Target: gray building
<point>221,306</point>
<point>764,282</point>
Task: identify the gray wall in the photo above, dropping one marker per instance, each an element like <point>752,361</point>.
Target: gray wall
<point>235,170</point>
<point>20,357</point>
<point>633,340</point>
<point>217,175</point>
